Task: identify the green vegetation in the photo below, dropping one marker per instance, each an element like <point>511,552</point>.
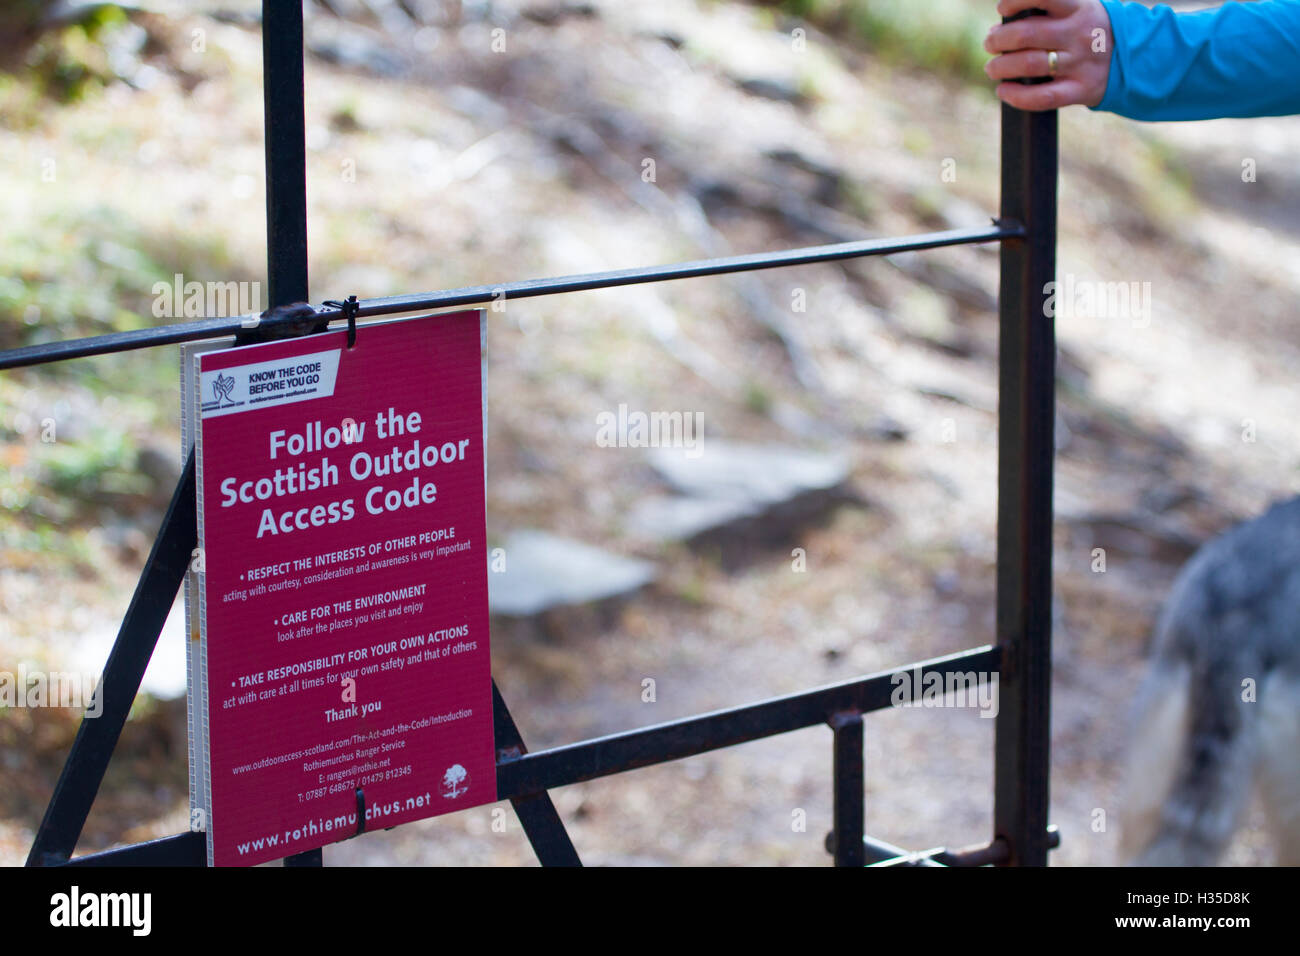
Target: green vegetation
<point>1168,189</point>
<point>61,60</point>
<point>757,398</point>
<point>101,466</point>
<point>939,36</point>
<point>67,275</point>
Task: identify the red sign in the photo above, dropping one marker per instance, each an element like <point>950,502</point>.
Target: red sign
<point>343,658</point>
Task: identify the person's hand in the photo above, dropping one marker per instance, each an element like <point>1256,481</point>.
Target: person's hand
<point>1079,32</point>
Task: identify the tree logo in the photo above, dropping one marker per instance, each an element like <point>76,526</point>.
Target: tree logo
<point>455,782</point>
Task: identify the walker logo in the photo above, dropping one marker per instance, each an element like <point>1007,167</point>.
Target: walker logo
<point>74,909</point>
<point>223,386</point>
<point>267,384</point>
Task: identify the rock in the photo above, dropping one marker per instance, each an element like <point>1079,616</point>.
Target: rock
<point>352,10</point>
<point>772,88</point>
<point>545,571</point>
<point>162,466</point>
<point>353,49</point>
<point>476,105</point>
<point>250,19</point>
<point>1157,537</point>
<point>676,518</point>
<point>1162,498</point>
<point>738,496</point>
<point>429,12</point>
<point>553,14</point>
<point>884,428</point>
<point>765,475</point>
<point>670,37</point>
<point>828,180</point>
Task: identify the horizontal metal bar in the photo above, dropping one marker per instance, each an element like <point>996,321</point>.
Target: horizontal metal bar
<point>183,849</point>
<point>603,756</point>
<point>189,849</point>
<point>880,853</point>
<point>690,270</point>
<point>988,854</point>
<point>123,341</point>
<point>991,854</point>
<point>572,763</point>
<point>473,295</point>
<point>873,850</point>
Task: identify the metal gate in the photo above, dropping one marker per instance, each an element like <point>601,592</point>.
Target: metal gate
<point>1021,657</point>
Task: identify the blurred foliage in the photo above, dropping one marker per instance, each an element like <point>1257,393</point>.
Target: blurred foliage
<point>939,36</point>
<point>757,398</point>
<point>77,264</point>
<point>100,467</point>
<point>57,47</point>
<point>74,275</point>
<point>21,20</point>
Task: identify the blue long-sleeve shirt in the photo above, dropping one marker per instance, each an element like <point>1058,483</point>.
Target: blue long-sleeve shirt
<point>1239,59</point>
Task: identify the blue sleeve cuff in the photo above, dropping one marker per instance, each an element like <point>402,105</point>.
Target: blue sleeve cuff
<point>1237,59</point>
<point>1115,79</point>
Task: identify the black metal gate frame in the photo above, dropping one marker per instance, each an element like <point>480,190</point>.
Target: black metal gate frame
<point>1021,657</point>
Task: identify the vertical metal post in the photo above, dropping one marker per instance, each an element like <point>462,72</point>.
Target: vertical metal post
<point>850,790</point>
<point>1026,416</point>
<point>286,151</point>
<point>284,122</point>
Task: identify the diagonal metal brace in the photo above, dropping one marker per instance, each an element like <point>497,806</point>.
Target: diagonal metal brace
<point>537,814</point>
<point>83,772</point>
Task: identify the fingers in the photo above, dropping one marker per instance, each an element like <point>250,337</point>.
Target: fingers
<point>1021,49</point>
<point>1054,8</point>
<point>1011,66</point>
<point>1034,32</point>
<point>1041,96</point>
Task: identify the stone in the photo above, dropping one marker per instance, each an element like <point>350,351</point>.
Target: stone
<point>545,571</point>
<point>749,493</point>
<point>764,475</point>
<point>677,518</point>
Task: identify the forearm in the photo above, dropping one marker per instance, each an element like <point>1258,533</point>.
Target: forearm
<point>1239,59</point>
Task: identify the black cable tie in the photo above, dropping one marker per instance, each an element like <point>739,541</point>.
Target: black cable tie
<point>349,309</point>
<point>361,812</point>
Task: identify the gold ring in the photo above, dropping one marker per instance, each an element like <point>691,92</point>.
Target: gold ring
<point>1051,63</point>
